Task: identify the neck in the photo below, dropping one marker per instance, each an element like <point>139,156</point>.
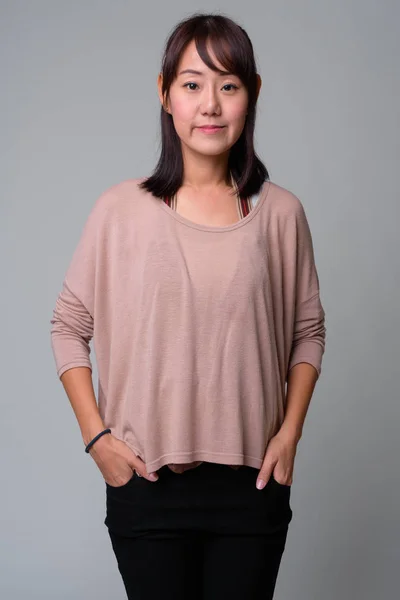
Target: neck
<point>204,173</point>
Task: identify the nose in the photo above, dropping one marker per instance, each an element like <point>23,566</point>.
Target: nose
<point>210,104</point>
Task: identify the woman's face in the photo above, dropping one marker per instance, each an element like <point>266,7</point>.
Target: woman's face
<point>205,97</point>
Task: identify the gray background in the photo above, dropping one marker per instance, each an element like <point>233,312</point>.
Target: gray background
<point>79,112</point>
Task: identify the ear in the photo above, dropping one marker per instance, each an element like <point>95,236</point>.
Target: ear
<point>159,89</point>
<point>259,84</point>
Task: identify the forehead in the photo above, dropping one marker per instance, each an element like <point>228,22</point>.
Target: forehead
<point>190,58</point>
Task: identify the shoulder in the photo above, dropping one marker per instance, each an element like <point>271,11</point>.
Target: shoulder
<point>126,190</point>
<point>117,197</point>
<point>283,202</point>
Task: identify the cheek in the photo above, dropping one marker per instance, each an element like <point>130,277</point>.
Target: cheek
<point>182,111</point>
<point>237,113</point>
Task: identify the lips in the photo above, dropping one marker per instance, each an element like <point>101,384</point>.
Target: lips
<point>211,127</point>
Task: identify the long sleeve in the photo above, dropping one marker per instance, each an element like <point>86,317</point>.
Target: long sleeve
<point>309,328</point>
<point>71,332</point>
<point>73,315</point>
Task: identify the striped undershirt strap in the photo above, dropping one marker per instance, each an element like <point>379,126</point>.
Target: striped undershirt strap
<point>244,206</point>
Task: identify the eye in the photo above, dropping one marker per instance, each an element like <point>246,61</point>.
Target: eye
<point>231,85</point>
<point>189,83</point>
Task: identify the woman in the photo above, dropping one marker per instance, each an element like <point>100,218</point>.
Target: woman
<point>199,287</point>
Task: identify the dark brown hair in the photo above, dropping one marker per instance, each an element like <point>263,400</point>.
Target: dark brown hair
<point>234,50</point>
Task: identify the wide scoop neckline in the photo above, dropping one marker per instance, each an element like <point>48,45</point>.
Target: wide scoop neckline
<point>219,228</point>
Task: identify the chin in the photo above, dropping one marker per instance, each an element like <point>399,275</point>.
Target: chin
<point>211,151</point>
<point>210,147</point>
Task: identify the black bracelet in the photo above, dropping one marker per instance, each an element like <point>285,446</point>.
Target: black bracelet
<point>90,444</point>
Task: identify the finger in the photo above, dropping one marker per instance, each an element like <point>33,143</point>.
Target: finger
<point>149,476</point>
<point>141,472</point>
<point>264,476</point>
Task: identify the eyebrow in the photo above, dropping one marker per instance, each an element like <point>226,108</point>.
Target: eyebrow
<point>194,72</point>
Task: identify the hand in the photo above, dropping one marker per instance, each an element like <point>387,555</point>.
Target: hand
<point>117,462</point>
<point>278,460</point>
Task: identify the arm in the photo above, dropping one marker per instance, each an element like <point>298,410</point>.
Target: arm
<point>73,325</point>
<point>309,333</point>
<point>78,386</point>
<point>301,383</point>
<point>281,450</point>
<point>71,333</point>
<point>304,364</point>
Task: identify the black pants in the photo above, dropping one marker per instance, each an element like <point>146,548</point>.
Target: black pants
<point>205,534</point>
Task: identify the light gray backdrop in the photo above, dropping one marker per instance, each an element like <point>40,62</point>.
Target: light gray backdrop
<point>79,112</point>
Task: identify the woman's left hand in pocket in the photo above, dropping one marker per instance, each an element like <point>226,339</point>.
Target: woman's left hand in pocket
<point>278,460</point>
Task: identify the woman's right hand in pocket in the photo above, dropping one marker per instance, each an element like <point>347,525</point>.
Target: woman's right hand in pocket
<point>117,462</point>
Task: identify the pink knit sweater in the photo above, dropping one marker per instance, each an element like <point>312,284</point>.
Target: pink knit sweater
<point>194,326</point>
